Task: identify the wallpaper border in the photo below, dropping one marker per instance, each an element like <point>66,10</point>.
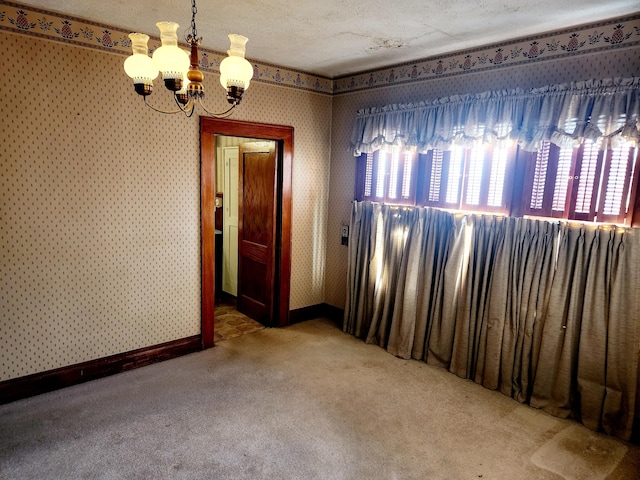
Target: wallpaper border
<point>578,40</point>
<point>581,40</point>
<point>36,22</point>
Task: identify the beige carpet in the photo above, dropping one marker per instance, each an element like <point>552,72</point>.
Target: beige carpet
<point>303,402</point>
<point>577,453</point>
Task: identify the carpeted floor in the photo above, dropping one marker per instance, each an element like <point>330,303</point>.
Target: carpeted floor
<point>302,402</point>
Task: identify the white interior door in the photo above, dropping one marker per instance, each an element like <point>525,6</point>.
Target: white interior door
<point>230,221</point>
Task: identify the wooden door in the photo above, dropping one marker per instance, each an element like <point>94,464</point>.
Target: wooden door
<point>257,230</point>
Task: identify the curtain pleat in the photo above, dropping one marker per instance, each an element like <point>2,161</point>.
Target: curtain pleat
<point>420,284</point>
<point>387,259</point>
<point>441,333</point>
<point>528,254</point>
<point>475,334</point>
<point>555,384</point>
<point>621,408</point>
<point>547,313</point>
<point>358,307</point>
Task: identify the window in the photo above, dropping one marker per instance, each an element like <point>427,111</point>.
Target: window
<point>467,179</point>
<point>388,177</point>
<point>587,183</point>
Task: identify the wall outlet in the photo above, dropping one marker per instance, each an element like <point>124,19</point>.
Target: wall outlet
<point>345,235</point>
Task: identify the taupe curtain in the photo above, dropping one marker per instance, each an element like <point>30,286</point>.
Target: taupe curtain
<point>547,313</point>
<point>372,275</point>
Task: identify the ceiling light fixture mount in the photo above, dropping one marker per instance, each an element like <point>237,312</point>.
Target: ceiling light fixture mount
<point>180,70</point>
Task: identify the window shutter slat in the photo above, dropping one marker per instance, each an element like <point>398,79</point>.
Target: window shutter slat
<point>380,175</point>
<point>563,177</point>
<point>453,178</point>
<point>401,185</point>
<point>406,187</point>
<point>584,197</point>
<point>539,178</point>
<point>616,183</point>
<point>394,166</point>
<point>368,176</point>
<point>540,181</point>
<point>499,161</point>
<point>435,178</point>
<point>474,172</point>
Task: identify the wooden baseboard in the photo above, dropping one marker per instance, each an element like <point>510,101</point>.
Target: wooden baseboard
<point>226,298</point>
<point>22,387</point>
<point>334,313</point>
<point>316,311</point>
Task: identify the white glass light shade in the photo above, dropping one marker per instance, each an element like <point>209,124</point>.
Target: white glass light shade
<point>171,60</point>
<point>139,66</point>
<point>235,70</point>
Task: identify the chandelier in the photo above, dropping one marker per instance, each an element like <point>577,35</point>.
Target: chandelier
<point>180,71</point>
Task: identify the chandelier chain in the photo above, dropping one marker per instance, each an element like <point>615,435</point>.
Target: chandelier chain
<point>194,10</point>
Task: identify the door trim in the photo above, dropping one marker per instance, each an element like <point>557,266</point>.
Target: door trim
<point>209,128</point>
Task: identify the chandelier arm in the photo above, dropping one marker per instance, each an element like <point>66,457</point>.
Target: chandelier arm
<point>188,108</point>
<point>225,114</point>
<point>166,112</point>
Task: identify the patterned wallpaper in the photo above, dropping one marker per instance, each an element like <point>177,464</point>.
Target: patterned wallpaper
<point>100,203</point>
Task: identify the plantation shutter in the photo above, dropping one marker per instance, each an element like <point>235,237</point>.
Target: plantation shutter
<point>486,168</point>
<point>585,183</point>
<point>387,177</point>
<point>547,181</point>
<point>442,178</point>
<point>618,175</point>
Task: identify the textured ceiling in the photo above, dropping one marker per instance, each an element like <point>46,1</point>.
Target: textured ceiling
<point>334,38</point>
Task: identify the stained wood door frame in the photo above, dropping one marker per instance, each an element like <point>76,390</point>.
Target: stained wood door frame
<point>209,128</point>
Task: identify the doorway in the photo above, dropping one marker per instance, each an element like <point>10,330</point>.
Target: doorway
<point>280,289</point>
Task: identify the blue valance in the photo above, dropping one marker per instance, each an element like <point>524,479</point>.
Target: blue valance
<point>565,115</point>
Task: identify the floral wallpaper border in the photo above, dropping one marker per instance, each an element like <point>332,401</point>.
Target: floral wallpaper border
<point>616,33</point>
<point>40,23</point>
<point>586,39</point>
